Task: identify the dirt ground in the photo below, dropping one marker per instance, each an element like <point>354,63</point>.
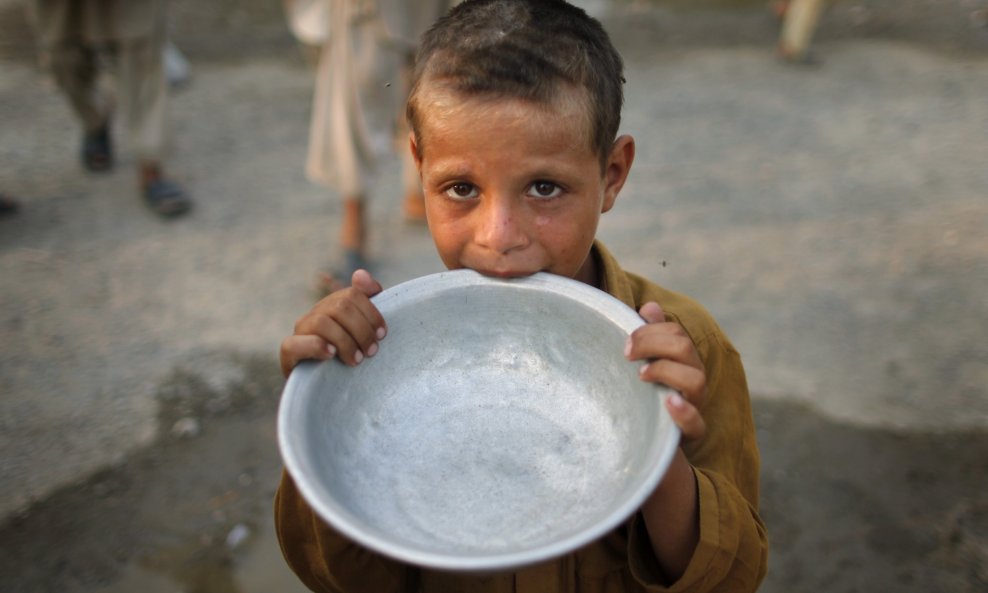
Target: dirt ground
<point>849,508</point>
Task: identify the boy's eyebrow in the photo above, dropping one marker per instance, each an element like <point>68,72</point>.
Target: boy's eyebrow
<point>442,172</point>
<point>451,169</point>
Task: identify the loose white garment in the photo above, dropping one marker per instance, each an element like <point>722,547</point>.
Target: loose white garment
<point>365,55</point>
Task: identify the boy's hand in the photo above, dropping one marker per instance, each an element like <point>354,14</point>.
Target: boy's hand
<point>344,324</point>
<point>672,360</point>
<point>671,513</point>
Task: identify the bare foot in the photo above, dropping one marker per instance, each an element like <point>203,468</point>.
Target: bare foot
<point>330,280</point>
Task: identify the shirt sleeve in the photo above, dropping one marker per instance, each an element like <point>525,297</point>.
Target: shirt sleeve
<point>732,553</point>
<point>323,559</point>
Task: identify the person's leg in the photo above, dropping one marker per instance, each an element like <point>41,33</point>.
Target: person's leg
<point>74,68</point>
<point>353,232</point>
<point>339,148</point>
<point>800,19</point>
<point>350,136</point>
<point>144,92</point>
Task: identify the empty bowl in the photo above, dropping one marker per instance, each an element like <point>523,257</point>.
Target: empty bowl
<point>499,424</point>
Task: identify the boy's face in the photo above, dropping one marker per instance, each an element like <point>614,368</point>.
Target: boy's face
<point>513,188</point>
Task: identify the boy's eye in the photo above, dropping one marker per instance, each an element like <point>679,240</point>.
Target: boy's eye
<point>544,189</point>
<point>461,191</point>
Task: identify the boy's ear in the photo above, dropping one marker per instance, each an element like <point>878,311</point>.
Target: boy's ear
<point>414,147</point>
<point>617,168</point>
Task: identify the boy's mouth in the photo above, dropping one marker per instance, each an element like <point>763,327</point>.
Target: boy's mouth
<point>505,273</point>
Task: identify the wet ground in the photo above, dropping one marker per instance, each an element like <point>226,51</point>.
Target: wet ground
<point>832,218</point>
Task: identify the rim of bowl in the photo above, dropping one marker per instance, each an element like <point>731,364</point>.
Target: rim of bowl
<point>389,300</point>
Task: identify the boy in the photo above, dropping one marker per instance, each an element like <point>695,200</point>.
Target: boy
<point>514,112</point>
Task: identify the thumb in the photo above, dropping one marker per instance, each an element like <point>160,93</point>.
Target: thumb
<point>651,312</point>
<point>365,283</point>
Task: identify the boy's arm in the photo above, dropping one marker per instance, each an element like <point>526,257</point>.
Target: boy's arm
<point>732,554</point>
<point>700,531</point>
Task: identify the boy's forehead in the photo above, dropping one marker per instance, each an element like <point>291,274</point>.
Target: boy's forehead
<point>438,104</point>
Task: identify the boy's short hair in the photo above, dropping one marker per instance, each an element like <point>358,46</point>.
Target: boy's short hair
<point>526,49</point>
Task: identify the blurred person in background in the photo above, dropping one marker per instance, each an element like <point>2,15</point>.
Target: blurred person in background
<point>363,53</point>
<point>79,40</point>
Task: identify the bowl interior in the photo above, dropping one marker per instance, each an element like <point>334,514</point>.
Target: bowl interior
<point>498,425</point>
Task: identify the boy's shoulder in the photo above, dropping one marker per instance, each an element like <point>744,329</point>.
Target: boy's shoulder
<point>678,307</point>
<point>636,290</point>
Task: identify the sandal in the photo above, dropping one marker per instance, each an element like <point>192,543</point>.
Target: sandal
<point>8,206</point>
<point>166,198</point>
<point>97,150</point>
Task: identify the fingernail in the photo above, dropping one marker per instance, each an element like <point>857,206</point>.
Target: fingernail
<point>372,350</point>
<point>627,347</point>
<point>358,356</point>
<point>676,400</point>
<point>642,369</point>
<point>330,350</point>
<point>381,332</point>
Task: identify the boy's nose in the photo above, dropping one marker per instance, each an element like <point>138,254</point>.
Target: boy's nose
<point>501,227</point>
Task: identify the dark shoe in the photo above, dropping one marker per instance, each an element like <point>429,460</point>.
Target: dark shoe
<point>8,206</point>
<point>97,150</point>
<point>166,198</point>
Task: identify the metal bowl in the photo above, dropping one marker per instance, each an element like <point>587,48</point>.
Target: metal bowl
<point>498,426</point>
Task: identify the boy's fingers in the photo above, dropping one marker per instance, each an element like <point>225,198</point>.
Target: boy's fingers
<point>687,417</point>
<point>689,381</point>
<point>348,320</point>
<point>369,329</point>
<point>348,328</point>
<point>295,349</point>
<point>651,312</point>
<point>670,355</point>
<point>662,340</point>
<point>365,283</point>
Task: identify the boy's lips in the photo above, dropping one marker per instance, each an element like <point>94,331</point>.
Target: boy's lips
<point>505,273</point>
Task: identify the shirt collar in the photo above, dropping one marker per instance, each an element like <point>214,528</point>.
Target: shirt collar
<point>613,280</point>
